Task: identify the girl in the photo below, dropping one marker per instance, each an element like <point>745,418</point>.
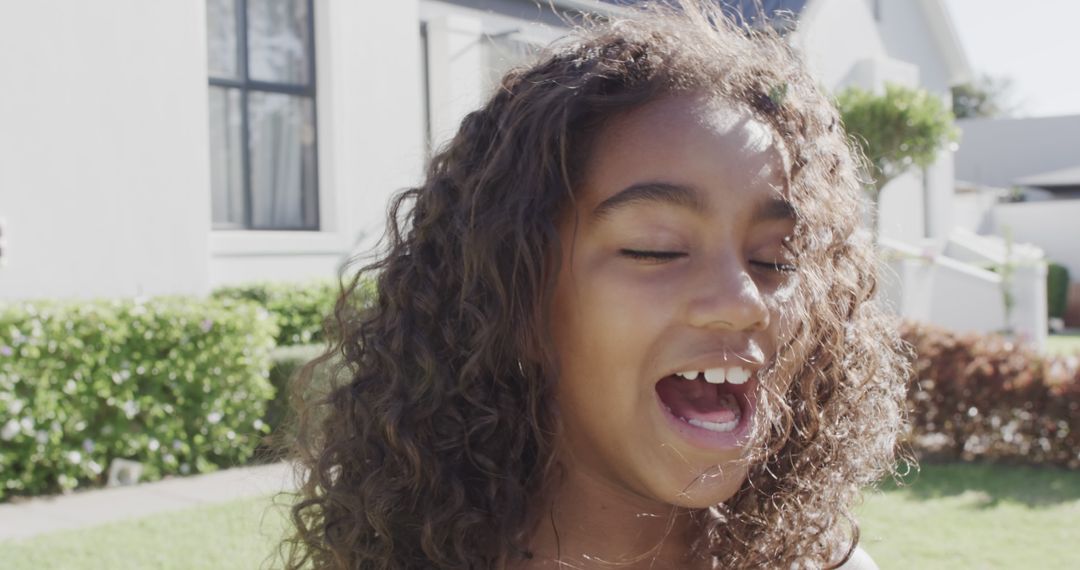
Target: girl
<point>624,323</point>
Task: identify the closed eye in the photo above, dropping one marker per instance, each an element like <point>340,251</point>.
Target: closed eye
<point>660,256</point>
<point>774,266</point>
<point>656,256</point>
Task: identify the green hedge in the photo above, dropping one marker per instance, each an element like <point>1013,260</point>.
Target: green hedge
<point>178,384</point>
<point>287,361</point>
<point>1057,289</point>
<point>986,397</point>
<point>300,308</point>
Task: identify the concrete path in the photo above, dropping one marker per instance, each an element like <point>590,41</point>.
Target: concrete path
<point>89,508</point>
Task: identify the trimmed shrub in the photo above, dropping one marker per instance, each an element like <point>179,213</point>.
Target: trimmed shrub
<point>178,384</point>
<point>986,397</point>
<point>300,308</point>
<point>1057,290</point>
<point>287,360</point>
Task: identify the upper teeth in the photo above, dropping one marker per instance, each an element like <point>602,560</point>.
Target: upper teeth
<point>733,375</point>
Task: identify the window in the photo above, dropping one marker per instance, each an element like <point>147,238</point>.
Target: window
<point>260,55</point>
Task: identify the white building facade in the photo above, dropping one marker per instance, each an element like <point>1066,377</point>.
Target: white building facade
<point>1036,162</point>
<point>161,147</point>
<point>153,147</point>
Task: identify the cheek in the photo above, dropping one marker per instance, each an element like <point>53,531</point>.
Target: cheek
<point>604,326</point>
<point>786,316</point>
<point>782,324</point>
<point>787,291</point>
<point>606,303</point>
<point>642,294</point>
<point>786,309</point>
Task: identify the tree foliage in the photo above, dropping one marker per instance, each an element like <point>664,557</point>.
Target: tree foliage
<point>984,97</point>
<point>897,130</point>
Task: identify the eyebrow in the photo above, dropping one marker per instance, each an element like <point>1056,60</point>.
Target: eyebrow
<point>771,209</point>
<point>774,209</point>
<point>657,192</point>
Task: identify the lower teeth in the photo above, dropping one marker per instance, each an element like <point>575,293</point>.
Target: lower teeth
<point>713,426</point>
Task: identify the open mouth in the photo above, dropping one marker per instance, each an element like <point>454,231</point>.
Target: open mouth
<point>711,407</point>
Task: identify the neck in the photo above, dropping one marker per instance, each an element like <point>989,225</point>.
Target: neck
<point>590,523</point>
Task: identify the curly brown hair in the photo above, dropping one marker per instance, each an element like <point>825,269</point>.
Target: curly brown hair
<point>432,448</point>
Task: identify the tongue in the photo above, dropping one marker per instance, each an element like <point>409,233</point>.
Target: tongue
<point>695,399</point>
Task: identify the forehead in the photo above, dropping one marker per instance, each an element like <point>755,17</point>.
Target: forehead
<point>696,140</point>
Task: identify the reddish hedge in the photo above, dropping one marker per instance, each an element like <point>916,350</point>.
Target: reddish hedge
<point>986,397</point>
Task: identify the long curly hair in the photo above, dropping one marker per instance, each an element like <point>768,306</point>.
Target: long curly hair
<point>430,442</point>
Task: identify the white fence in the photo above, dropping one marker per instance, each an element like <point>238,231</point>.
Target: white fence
<point>964,297</point>
<point>1053,225</point>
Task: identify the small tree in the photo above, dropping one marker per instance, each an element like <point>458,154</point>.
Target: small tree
<point>898,130</point>
<point>985,96</point>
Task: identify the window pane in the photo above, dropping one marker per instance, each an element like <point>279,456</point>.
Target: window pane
<point>282,146</point>
<point>226,170</point>
<point>278,41</point>
<point>221,52</point>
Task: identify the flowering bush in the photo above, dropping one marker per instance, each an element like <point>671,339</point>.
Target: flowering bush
<point>986,397</point>
<point>300,308</point>
<point>178,384</point>
<point>287,361</point>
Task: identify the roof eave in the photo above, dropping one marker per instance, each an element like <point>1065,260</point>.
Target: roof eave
<point>943,28</point>
<point>589,7</point>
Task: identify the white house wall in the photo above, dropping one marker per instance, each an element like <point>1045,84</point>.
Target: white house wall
<point>963,297</point>
<point>105,182</point>
<point>372,130</point>
<point>456,79</point>
<point>1051,225</point>
<point>105,178</point>
<point>458,34</point>
<point>845,44</point>
<point>971,211</point>
<point>908,36</point>
<point>370,144</point>
<point>104,173</point>
<point>901,207</point>
<point>834,36</point>
<point>995,152</point>
<point>919,203</point>
<point>940,180</point>
<point>931,290</point>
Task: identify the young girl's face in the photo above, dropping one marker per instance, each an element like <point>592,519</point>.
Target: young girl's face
<point>673,263</point>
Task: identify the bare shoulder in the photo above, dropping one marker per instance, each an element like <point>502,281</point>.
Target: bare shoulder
<point>859,560</point>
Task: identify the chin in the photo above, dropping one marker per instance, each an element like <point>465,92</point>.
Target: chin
<point>710,487</point>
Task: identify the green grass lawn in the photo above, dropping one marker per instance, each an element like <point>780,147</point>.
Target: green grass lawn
<point>950,516</point>
<point>1063,343</point>
<point>239,535</point>
<point>975,516</point>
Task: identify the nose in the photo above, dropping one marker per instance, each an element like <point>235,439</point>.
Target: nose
<point>726,296</point>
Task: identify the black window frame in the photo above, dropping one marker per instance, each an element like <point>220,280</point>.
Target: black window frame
<point>246,85</point>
